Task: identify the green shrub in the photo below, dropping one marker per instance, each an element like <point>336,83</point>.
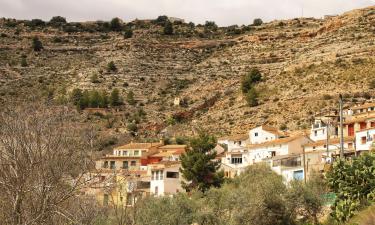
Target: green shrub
<point>168,28</point>
<point>128,33</point>
<point>116,24</point>
<point>115,99</point>
<point>252,97</point>
<point>57,21</point>
<point>23,61</point>
<point>257,22</point>
<point>94,79</point>
<point>250,79</point>
<point>37,44</point>
<point>111,67</point>
<point>130,98</point>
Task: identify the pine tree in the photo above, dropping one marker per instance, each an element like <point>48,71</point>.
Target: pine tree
<point>115,99</point>
<point>37,44</point>
<point>199,166</point>
<point>168,28</point>
<point>252,97</point>
<point>130,98</point>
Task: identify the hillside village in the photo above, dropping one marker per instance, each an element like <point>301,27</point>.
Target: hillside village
<point>136,170</point>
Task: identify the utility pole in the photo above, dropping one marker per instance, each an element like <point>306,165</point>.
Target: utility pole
<point>304,164</point>
<point>341,128</point>
<point>327,140</point>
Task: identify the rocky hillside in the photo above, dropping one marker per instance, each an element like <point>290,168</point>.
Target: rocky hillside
<point>305,63</point>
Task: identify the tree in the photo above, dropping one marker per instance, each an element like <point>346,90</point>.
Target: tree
<point>42,162</point>
<point>130,98</point>
<point>84,102</point>
<point>23,61</point>
<point>257,22</point>
<point>111,67</point>
<point>128,33</point>
<point>76,96</point>
<point>161,20</point>
<point>198,164</point>
<point>115,99</point>
<point>354,184</point>
<point>252,97</point>
<point>37,44</point>
<point>115,24</point>
<point>250,79</point>
<point>168,28</point>
<point>57,21</point>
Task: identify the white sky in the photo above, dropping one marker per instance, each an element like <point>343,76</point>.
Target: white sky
<point>223,12</point>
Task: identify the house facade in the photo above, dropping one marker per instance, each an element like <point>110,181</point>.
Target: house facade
<point>364,139</point>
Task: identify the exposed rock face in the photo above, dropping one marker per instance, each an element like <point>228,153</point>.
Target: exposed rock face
<point>303,62</point>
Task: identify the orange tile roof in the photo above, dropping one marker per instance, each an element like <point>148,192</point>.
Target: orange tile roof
<point>173,147</point>
<point>139,145</point>
<point>275,142</point>
<point>364,106</point>
<point>164,164</point>
<point>331,141</point>
<point>359,119</point>
<point>236,137</point>
<point>272,130</point>
<point>370,128</point>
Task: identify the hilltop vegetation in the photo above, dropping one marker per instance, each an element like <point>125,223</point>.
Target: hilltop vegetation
<point>304,63</point>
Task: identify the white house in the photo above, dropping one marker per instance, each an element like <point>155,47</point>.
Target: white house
<point>290,166</point>
<point>319,130</point>
<point>165,178</point>
<point>364,139</point>
<point>263,134</point>
<point>235,141</point>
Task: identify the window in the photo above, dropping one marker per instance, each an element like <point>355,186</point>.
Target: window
<point>113,165</point>
<point>125,164</point>
<point>119,153</point>
<point>136,152</point>
<point>133,163</point>
<point>105,165</point>
<point>363,140</point>
<point>315,133</point>
<point>372,124</point>
<point>161,173</point>
<point>124,153</point>
<point>256,134</point>
<point>152,175</point>
<point>172,175</point>
<point>236,159</point>
<point>323,131</point>
<point>105,199</point>
<point>273,153</point>
<point>350,145</point>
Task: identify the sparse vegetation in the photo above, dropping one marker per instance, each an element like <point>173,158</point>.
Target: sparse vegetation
<point>168,28</point>
<point>257,22</point>
<point>37,44</point>
<point>111,67</point>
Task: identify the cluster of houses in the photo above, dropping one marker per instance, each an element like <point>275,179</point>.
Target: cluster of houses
<point>140,169</point>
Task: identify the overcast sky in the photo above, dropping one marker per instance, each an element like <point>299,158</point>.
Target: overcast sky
<point>224,12</point>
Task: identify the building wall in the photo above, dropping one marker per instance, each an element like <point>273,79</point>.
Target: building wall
<point>369,135</point>
<point>167,186</point>
<point>258,135</point>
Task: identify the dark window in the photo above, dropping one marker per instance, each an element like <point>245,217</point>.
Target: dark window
<point>133,163</point>
<point>113,165</point>
<point>105,165</point>
<point>125,164</point>
<point>273,154</point>
<point>363,140</point>
<point>256,134</point>
<point>316,133</point>
<point>172,174</point>
<point>236,160</point>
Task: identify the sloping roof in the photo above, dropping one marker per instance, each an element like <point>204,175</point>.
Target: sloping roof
<point>139,145</point>
<point>288,156</point>
<point>276,142</point>
<point>164,164</point>
<point>359,119</point>
<point>172,147</point>
<point>272,130</point>
<point>370,128</point>
<point>331,141</point>
<point>364,106</point>
<point>235,137</point>
<point>168,153</point>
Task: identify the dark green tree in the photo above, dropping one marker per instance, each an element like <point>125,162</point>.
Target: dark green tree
<point>115,99</point>
<point>168,28</point>
<point>111,67</point>
<point>76,96</point>
<point>84,102</point>
<point>161,20</point>
<point>128,33</point>
<point>198,164</point>
<point>130,98</point>
<point>252,97</point>
<point>250,79</point>
<point>57,21</point>
<point>37,44</point>
<point>116,24</point>
<point>257,22</point>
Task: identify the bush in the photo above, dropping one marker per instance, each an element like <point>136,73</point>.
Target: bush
<point>37,44</point>
<point>36,23</point>
<point>115,99</point>
<point>257,22</point>
<point>128,33</point>
<point>354,184</point>
<point>168,28</point>
<point>130,98</point>
<point>116,24</point>
<point>161,20</point>
<point>250,79</point>
<point>57,21</point>
<point>111,67</point>
<point>23,61</point>
<point>252,97</point>
<point>94,79</point>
